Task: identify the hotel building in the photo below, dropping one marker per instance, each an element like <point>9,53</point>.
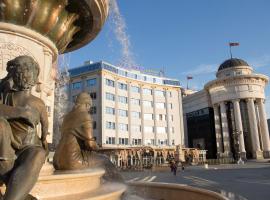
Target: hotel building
<point>131,108</point>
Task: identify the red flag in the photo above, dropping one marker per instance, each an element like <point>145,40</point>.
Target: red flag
<point>189,77</point>
<point>233,44</point>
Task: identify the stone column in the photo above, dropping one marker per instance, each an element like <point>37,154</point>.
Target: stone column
<point>239,127</point>
<point>116,112</point>
<point>129,115</point>
<point>225,131</point>
<point>257,153</point>
<point>218,131</point>
<point>264,129</point>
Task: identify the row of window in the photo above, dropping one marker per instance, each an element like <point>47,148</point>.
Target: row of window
<point>134,114</point>
<point>136,89</point>
<point>124,100</point>
<point>137,128</point>
<point>124,141</point>
<point>89,83</point>
<point>141,77</point>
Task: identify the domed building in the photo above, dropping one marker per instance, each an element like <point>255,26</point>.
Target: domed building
<point>228,116</point>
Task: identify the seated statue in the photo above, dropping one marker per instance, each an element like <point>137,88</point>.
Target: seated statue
<point>22,152</point>
<point>76,149</point>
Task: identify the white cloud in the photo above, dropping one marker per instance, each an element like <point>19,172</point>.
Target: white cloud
<point>202,69</point>
<point>262,61</point>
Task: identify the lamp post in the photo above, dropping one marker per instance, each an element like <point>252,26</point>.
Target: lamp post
<point>236,135</point>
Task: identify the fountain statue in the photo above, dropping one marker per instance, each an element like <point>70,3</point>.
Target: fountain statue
<point>76,149</point>
<point>22,152</point>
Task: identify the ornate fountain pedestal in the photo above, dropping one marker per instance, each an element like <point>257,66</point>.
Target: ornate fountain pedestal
<point>75,185</point>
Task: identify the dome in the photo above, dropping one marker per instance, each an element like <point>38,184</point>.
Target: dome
<point>233,62</point>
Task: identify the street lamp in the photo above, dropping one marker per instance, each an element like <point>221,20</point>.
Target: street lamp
<point>236,135</point>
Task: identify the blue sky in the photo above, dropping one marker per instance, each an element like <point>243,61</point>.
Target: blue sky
<point>187,37</point>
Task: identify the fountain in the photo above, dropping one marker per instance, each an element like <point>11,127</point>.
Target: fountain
<point>43,29</point>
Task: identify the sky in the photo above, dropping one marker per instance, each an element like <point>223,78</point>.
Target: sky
<point>186,37</point>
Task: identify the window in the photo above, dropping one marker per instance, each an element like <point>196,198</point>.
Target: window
<point>123,141</point>
<point>136,141</point>
<point>161,117</point>
<point>172,129</point>
<point>150,142</point>
<point>135,89</point>
<point>94,125</point>
<point>148,129</point>
<point>123,127</point>
<point>169,93</point>
<point>161,129</point>
<point>110,125</point>
<point>110,140</point>
<point>171,117</point>
<point>76,85</point>
<point>74,98</point>
<point>122,86</point>
<point>135,114</point>
<point>91,82</point>
<point>173,142</point>
<point>159,93</point>
<point>93,110</point>
<point>93,95</point>
<point>135,101</point>
<point>109,82</point>
<point>123,99</point>
<point>110,111</point>
<point>162,142</point>
<point>110,96</point>
<point>147,91</point>
<point>170,106</point>
<point>160,105</point>
<point>135,128</point>
<point>122,113</point>
<point>147,103</point>
<point>148,116</point>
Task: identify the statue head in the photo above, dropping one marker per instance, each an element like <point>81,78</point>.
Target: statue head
<point>25,72</point>
<point>83,100</point>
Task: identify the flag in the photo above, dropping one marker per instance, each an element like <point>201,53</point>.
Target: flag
<point>233,44</point>
<point>189,77</point>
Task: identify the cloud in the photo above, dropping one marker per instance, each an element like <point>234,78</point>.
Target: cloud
<point>262,61</point>
<point>202,69</point>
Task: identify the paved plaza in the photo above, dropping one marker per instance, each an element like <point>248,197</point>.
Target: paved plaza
<point>237,182</point>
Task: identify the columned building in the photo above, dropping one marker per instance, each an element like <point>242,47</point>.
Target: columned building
<point>133,110</point>
<point>236,105</point>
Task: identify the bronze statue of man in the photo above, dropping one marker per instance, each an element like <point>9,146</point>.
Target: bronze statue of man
<point>22,152</point>
<point>76,149</point>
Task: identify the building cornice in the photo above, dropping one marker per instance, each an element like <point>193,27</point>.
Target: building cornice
<point>257,79</point>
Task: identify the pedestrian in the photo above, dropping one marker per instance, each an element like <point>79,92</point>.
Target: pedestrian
<point>173,167</point>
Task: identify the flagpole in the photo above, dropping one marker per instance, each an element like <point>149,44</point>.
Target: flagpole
<point>230,50</point>
<point>187,83</point>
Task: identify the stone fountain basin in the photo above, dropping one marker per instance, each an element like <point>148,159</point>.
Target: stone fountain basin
<point>168,191</point>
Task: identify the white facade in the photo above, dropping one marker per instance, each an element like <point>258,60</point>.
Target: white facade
<point>131,109</point>
<point>237,98</point>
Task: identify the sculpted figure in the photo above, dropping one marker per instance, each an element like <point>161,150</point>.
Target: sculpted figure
<point>22,152</point>
<point>76,149</point>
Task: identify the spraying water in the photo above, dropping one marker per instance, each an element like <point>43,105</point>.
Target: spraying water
<point>119,28</point>
<point>61,102</point>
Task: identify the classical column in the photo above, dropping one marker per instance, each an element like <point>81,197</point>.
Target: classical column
<point>218,131</point>
<point>142,114</point>
<point>129,115</point>
<point>264,128</point>
<point>239,127</point>
<point>257,153</point>
<point>225,131</point>
<point>155,115</point>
